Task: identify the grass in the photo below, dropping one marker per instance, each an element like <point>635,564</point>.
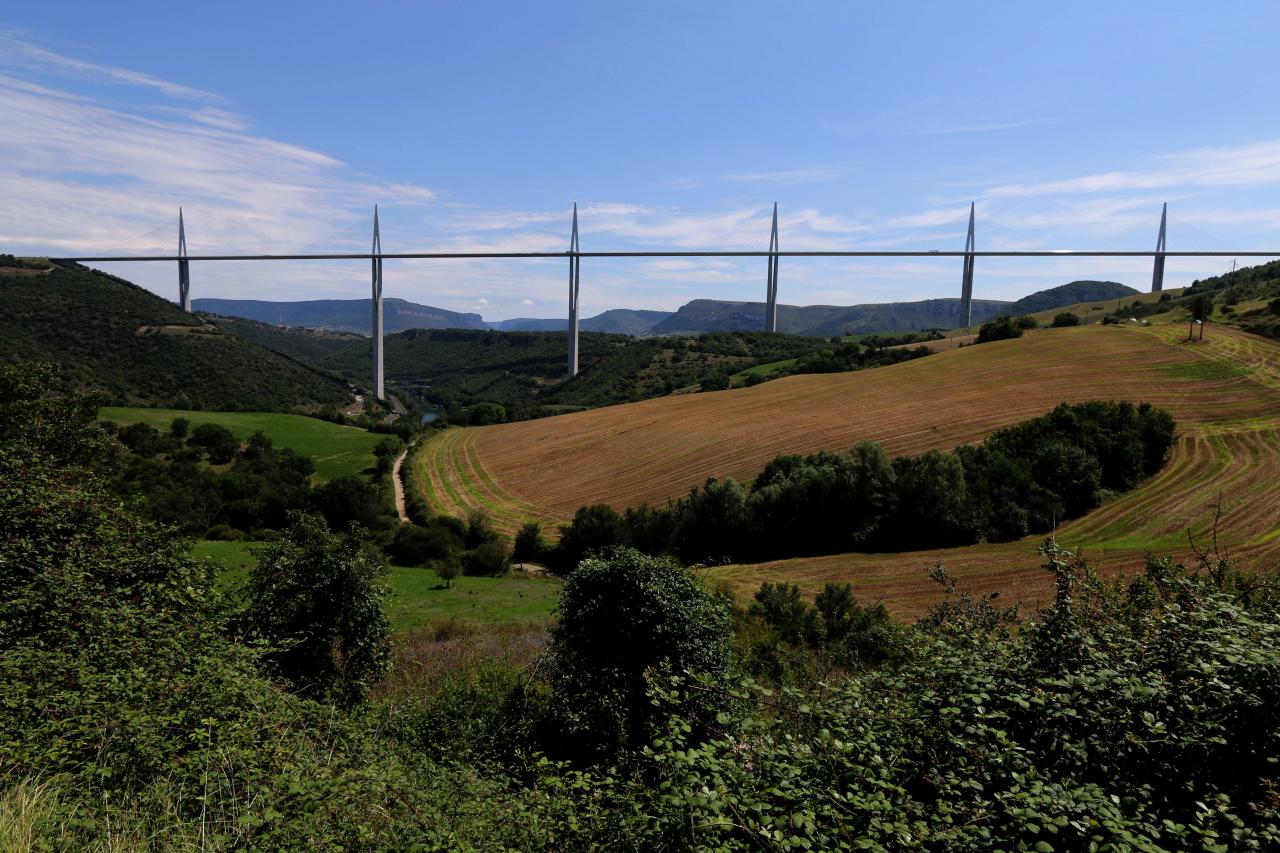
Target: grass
<point>768,369</point>
<point>1224,392</point>
<point>418,597</point>
<point>335,449</point>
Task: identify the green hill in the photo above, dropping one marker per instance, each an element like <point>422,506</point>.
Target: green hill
<point>523,371</point>
<point>310,346</point>
<point>109,334</point>
<point>1068,294</point>
<point>713,315</point>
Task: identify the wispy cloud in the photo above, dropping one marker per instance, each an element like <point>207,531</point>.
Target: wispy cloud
<point>15,52</point>
<point>788,176</point>
<point>1227,166</point>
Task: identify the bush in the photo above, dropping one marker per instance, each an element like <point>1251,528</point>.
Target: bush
<point>487,560</point>
<point>1026,322</point>
<point>417,545</point>
<point>529,545</point>
<point>180,428</point>
<point>594,529</point>
<point>620,619</point>
<point>1000,329</point>
<point>317,598</point>
<point>141,438</point>
<point>479,530</point>
<point>714,382</point>
<point>348,500</point>
<point>216,440</point>
<point>1066,318</point>
<point>386,451</point>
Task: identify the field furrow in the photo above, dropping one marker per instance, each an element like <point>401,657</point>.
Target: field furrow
<point>1224,392</point>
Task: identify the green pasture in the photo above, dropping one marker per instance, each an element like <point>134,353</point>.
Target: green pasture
<point>418,596</point>
<point>335,449</point>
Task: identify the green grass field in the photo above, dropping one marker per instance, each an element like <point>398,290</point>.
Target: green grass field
<point>418,597</point>
<point>335,449</point>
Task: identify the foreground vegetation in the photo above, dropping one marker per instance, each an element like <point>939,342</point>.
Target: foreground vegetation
<point>142,710</point>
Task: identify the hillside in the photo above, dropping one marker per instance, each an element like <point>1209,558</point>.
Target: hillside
<point>344,315</point>
<point>1069,294</point>
<point>109,334</point>
<point>524,371</point>
<point>310,346</point>
<point>454,368</point>
<point>1224,392</point>
<point>711,315</point>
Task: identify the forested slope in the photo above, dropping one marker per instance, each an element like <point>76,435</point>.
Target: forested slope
<point>108,334</point>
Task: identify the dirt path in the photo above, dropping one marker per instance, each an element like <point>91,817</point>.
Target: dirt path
<point>399,486</point>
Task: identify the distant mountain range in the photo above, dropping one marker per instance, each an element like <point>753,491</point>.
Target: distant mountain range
<point>693,318</point>
<point>342,315</point>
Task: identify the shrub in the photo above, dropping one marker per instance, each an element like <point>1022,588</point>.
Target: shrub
<point>714,382</point>
<point>386,451</point>
<point>417,545</point>
<point>620,619</point>
<point>317,598</point>
<point>216,440</point>
<point>488,560</point>
<point>348,500</point>
<point>594,529</point>
<point>1066,318</point>
<point>529,546</point>
<point>479,530</point>
<point>1000,329</point>
<point>1026,322</point>
<point>180,428</point>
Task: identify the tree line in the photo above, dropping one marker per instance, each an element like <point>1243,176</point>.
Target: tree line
<point>1021,480</point>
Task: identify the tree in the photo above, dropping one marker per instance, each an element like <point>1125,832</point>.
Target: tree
<point>386,451</point>
<point>179,428</point>
<point>1066,318</point>
<point>621,619</point>
<point>999,329</point>
<point>216,440</point>
<point>317,598</point>
<point>448,569</point>
<point>141,438</point>
<point>349,499</point>
<point>594,529</point>
<point>529,546</point>
<point>487,560</point>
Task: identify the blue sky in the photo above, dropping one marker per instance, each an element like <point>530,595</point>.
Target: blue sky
<point>278,126</point>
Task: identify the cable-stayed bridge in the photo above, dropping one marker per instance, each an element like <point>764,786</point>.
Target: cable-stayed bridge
<point>574,255</point>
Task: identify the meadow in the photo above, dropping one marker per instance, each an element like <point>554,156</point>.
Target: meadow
<point>419,599</point>
<point>335,449</point>
<point>1224,392</point>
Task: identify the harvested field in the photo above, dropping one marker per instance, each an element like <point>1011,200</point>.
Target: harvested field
<point>1224,391</point>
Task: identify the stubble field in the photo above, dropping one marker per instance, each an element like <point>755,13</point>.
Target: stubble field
<point>1224,392</point>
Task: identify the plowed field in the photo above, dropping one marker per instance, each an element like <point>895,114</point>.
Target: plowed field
<point>1224,392</point>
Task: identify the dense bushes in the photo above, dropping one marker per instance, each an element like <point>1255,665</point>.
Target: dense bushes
<point>1000,329</point>
<point>1138,716</point>
<point>1021,480</point>
<point>621,620</point>
<point>317,598</point>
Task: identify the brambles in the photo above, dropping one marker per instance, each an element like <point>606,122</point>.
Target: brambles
<point>317,598</point>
